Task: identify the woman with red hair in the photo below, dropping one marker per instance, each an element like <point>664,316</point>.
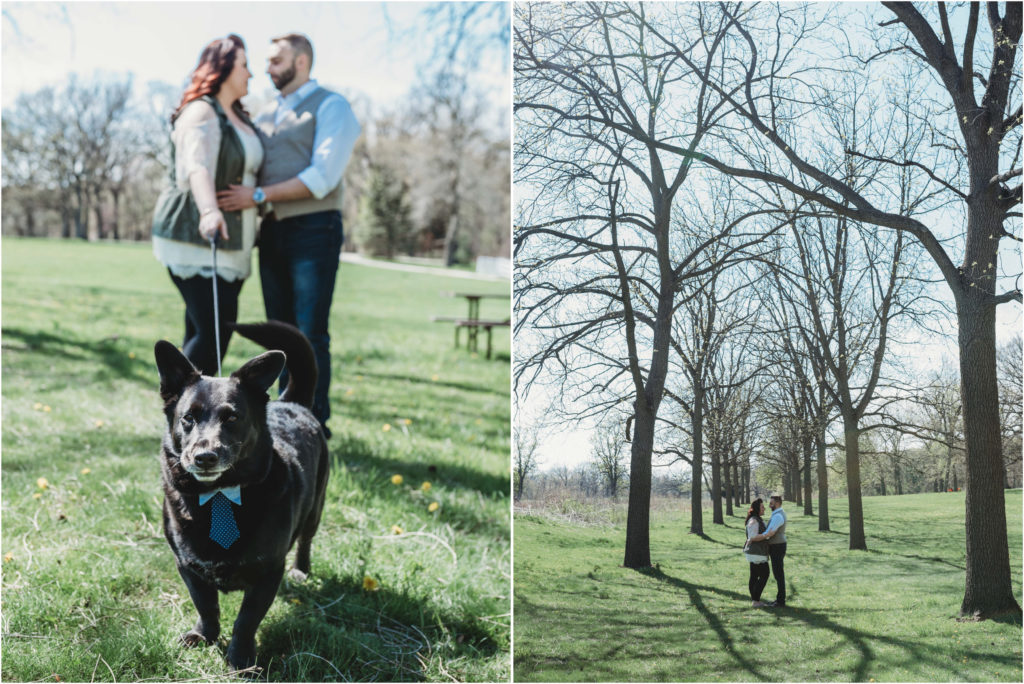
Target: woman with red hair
<point>213,145</point>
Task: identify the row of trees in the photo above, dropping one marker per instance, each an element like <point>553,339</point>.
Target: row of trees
<point>88,159</point>
<point>750,211</point>
<point>921,452</point>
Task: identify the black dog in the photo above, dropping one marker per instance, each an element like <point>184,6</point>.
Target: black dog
<point>272,460</point>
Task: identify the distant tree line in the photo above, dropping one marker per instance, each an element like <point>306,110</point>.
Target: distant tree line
<point>87,160</point>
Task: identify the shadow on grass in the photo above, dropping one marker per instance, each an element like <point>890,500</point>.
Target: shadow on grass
<point>860,640</point>
<point>713,620</point>
<point>914,556</point>
<point>357,454</point>
<point>108,360</point>
<point>336,631</point>
<point>463,387</point>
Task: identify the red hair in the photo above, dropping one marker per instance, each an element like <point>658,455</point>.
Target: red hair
<point>216,62</point>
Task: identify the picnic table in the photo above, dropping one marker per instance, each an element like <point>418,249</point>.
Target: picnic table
<point>472,321</point>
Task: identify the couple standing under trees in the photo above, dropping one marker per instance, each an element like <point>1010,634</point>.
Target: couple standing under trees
<point>764,542</point>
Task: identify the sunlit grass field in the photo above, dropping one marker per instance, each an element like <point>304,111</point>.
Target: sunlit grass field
<point>401,589</point>
<point>885,615</point>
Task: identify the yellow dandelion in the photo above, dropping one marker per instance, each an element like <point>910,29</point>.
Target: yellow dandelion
<point>8,557</point>
<point>42,483</point>
<point>370,584</point>
<point>86,471</point>
<point>395,529</point>
<point>435,377</point>
<point>349,392</point>
<point>37,406</point>
<point>296,601</point>
<point>46,409</point>
<point>359,378</point>
<point>358,359</point>
<point>479,421</point>
<point>386,427</point>
<point>407,421</point>
<point>99,423</point>
<point>131,355</point>
<point>425,486</point>
<point>37,495</point>
<point>396,479</point>
<point>433,506</point>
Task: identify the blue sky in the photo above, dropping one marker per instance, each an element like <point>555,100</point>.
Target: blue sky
<point>355,43</point>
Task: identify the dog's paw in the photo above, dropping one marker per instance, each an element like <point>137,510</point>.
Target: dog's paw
<point>296,576</point>
<point>193,639</point>
<point>242,658</point>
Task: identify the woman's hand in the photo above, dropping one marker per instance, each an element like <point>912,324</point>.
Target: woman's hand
<point>212,223</point>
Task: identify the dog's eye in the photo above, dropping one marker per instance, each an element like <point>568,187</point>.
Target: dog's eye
<point>187,420</point>
<point>231,418</point>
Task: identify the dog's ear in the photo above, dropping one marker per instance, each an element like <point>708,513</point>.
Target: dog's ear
<point>261,372</point>
<point>176,371</point>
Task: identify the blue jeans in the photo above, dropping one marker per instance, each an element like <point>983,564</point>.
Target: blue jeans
<point>298,267</point>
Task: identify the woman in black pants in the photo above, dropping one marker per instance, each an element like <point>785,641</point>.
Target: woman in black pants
<point>214,144</point>
<point>756,552</point>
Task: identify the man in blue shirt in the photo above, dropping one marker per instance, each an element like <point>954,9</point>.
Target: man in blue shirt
<point>308,133</point>
<point>776,534</point>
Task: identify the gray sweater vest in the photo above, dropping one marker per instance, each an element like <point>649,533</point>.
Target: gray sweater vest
<point>780,534</point>
<point>288,149</point>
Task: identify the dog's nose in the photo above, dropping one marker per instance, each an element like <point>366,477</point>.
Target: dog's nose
<point>206,459</point>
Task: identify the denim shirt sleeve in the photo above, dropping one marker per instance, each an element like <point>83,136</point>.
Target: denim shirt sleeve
<point>336,134</point>
<point>778,517</point>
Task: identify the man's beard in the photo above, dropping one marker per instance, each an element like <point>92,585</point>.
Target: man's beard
<point>283,79</point>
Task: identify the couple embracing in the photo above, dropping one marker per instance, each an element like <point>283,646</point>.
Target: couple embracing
<point>766,542</point>
<point>272,180</point>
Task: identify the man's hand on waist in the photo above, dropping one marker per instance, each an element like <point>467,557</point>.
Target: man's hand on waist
<point>236,198</point>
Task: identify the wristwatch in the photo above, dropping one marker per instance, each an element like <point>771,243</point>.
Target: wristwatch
<point>258,196</point>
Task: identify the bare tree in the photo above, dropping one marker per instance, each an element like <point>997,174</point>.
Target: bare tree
<point>971,167</point>
<point>608,448</point>
<point>525,460</point>
<point>597,273</point>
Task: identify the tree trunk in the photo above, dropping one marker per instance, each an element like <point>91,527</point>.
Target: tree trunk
<point>716,487</point>
<point>989,583</point>
<point>728,488</point>
<point>851,432</point>
<point>697,469</point>
<point>808,451</point>
<point>822,484</point>
<point>738,481</point>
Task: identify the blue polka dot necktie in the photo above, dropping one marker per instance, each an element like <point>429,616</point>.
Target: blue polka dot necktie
<point>223,528</point>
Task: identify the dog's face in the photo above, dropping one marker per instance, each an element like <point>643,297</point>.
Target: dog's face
<point>213,423</point>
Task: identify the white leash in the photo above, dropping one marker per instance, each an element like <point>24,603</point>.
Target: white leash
<point>216,305</point>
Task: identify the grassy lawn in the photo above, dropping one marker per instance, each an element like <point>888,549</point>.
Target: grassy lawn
<point>887,614</point>
<point>90,591</point>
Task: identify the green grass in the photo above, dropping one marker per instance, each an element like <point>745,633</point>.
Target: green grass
<point>89,585</point>
<point>888,614</point>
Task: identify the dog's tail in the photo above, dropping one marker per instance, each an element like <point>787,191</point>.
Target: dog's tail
<point>301,364</point>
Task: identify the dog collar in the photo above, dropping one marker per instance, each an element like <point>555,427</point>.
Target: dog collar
<point>233,494</point>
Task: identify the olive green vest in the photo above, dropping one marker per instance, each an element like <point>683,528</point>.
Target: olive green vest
<point>288,149</point>
<point>176,216</point>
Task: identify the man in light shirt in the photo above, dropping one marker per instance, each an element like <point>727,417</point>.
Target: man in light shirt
<point>776,534</point>
<point>308,134</point>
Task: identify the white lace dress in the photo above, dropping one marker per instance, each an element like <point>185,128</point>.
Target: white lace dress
<point>196,137</point>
